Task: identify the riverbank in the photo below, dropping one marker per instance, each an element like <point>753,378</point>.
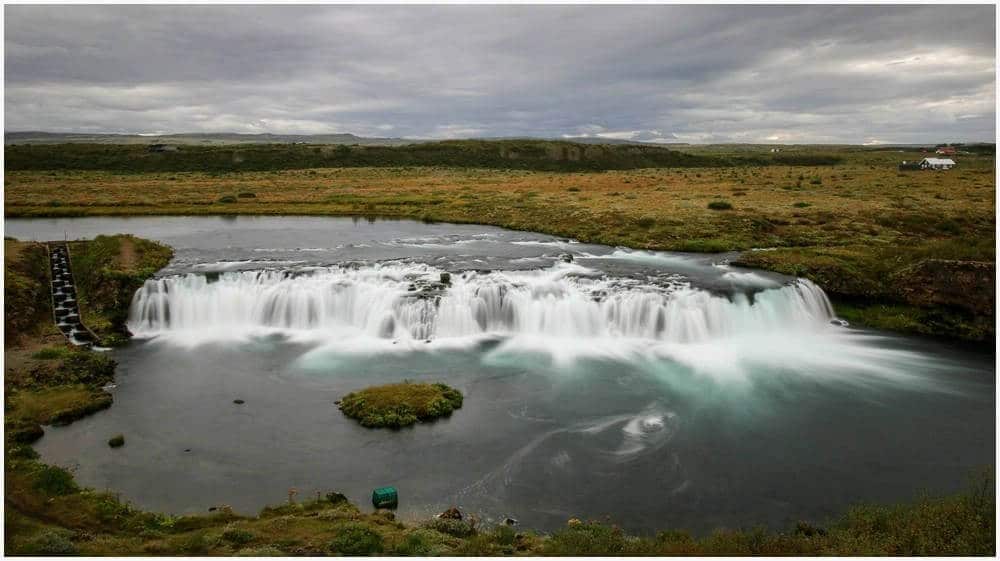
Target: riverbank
<point>48,513</point>
<point>859,227</point>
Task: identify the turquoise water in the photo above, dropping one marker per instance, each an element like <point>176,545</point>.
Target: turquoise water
<point>656,389</point>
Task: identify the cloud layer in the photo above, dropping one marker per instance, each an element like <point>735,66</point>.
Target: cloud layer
<point>854,74</point>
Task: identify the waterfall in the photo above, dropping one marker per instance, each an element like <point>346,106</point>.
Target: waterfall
<point>405,301</point>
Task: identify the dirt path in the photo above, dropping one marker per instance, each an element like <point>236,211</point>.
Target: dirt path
<point>127,257</point>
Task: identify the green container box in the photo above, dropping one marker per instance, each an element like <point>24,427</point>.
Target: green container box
<point>385,497</point>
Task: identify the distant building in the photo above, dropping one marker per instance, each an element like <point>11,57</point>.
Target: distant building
<point>937,163</point>
<point>946,150</point>
<point>162,148</point>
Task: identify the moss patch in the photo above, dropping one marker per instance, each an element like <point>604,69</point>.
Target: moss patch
<point>400,405</point>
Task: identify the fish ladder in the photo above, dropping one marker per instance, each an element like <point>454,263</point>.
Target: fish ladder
<point>65,309</point>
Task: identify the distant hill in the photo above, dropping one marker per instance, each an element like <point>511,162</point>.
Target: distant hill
<point>199,139</point>
<point>224,138</point>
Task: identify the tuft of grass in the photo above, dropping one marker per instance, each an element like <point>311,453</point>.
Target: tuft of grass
<point>400,405</point>
<point>356,539</point>
<point>452,527</point>
<point>54,481</point>
<point>227,199</point>
<point>51,353</point>
<point>720,205</point>
<point>247,195</point>
<point>237,536</point>
<point>49,542</point>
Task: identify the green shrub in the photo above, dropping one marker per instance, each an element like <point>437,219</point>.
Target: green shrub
<point>49,542</point>
<point>587,539</point>
<point>55,481</point>
<point>452,527</point>
<point>247,195</point>
<point>573,189</point>
<point>801,204</point>
<point>21,452</point>
<point>22,431</point>
<point>645,222</point>
<point>356,540</point>
<point>87,367</point>
<point>237,536</point>
<point>419,543</point>
<point>720,205</point>
<point>227,199</point>
<point>194,544</point>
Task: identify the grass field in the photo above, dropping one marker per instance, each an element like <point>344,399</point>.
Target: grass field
<point>856,225</point>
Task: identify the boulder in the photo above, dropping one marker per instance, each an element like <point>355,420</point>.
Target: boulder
<point>451,514</point>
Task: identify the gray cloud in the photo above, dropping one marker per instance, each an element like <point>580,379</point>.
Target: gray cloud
<point>655,73</point>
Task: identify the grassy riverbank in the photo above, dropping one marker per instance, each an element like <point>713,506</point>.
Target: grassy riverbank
<point>108,270</point>
<point>47,512</point>
<point>855,224</point>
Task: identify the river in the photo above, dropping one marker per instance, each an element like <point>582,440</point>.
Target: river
<point>657,390</point>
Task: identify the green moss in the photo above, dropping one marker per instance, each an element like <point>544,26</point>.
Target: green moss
<point>400,405</point>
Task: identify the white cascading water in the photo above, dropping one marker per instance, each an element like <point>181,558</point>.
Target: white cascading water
<point>386,301</point>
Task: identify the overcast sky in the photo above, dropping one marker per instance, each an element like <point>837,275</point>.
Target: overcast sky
<point>851,74</point>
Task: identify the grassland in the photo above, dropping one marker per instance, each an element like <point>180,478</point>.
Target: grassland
<point>855,224</point>
<point>48,513</point>
<point>400,405</point>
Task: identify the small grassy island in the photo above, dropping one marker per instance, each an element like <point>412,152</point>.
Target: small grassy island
<point>400,405</point>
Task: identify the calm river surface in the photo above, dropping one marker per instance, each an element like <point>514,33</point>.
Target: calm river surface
<point>656,389</point>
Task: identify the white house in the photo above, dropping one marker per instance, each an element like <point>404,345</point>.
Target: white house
<point>937,163</point>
